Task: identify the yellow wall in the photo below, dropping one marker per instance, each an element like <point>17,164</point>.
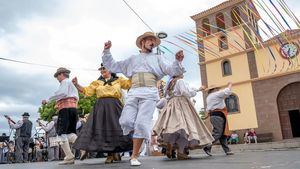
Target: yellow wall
<point>211,42</point>
<point>246,118</point>
<point>266,65</point>
<point>239,69</point>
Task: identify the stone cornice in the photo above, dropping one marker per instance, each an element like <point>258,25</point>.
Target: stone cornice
<point>217,8</point>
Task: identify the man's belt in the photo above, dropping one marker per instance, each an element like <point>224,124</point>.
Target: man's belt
<point>70,102</point>
<point>217,113</point>
<point>143,79</point>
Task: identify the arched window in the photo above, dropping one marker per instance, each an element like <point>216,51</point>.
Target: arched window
<point>223,43</point>
<point>232,103</point>
<point>235,16</point>
<point>205,27</point>
<point>220,21</point>
<point>226,68</point>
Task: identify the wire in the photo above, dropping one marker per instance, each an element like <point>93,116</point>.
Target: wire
<point>137,15</point>
<point>43,65</point>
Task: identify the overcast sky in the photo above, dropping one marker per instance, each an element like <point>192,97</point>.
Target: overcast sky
<point>71,33</point>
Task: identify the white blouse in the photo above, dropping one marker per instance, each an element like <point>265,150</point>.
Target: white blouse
<point>182,88</point>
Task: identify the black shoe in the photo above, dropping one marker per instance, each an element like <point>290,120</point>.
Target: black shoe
<point>207,150</point>
<point>174,154</point>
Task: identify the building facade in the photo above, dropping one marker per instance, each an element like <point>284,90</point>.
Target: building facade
<point>265,74</point>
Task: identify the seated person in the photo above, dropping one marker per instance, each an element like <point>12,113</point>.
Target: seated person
<point>246,137</point>
<point>252,136</point>
<point>234,138</point>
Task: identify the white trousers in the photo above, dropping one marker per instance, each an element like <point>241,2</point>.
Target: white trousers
<point>137,116</point>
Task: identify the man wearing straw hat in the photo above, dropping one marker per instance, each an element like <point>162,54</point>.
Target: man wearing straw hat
<point>144,69</point>
<point>23,133</point>
<point>218,116</point>
<point>66,98</point>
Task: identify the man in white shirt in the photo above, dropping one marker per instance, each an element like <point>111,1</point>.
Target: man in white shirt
<point>218,116</point>
<point>144,69</point>
<point>66,98</point>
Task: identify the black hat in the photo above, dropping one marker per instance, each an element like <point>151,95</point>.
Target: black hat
<point>25,114</point>
<point>101,67</point>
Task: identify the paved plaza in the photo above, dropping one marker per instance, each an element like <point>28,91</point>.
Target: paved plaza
<point>276,159</point>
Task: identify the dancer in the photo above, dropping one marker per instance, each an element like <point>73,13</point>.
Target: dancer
<point>179,125</point>
<point>102,132</point>
<point>218,116</point>
<point>145,69</point>
<point>66,98</point>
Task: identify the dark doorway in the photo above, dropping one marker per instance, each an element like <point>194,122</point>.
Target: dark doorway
<point>295,122</point>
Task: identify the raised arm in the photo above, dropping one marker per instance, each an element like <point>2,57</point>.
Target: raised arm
<point>225,92</point>
<point>186,90</point>
<point>110,63</point>
<point>175,68</point>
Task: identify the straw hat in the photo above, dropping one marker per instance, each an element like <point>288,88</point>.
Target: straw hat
<point>145,35</point>
<point>61,70</point>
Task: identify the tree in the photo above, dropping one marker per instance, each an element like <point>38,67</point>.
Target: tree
<point>85,106</point>
<point>202,114</point>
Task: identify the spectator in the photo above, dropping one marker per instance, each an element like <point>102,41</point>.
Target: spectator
<point>246,136</point>
<point>3,152</point>
<point>234,138</point>
<point>252,136</point>
<point>11,152</point>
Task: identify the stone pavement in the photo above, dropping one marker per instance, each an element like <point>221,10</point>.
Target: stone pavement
<point>278,145</point>
<point>277,159</point>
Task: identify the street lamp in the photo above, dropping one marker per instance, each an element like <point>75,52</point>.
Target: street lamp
<point>161,35</point>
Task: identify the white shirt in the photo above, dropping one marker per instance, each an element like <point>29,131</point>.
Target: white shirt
<point>215,100</point>
<point>182,88</point>
<point>49,126</point>
<point>143,62</point>
<point>66,89</point>
<point>17,125</point>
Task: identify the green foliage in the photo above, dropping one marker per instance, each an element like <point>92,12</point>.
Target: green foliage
<point>85,106</point>
<point>202,114</point>
<point>47,111</point>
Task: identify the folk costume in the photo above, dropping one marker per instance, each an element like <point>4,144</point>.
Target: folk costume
<point>218,117</point>
<point>144,69</point>
<point>179,125</point>
<point>102,131</point>
<point>66,98</point>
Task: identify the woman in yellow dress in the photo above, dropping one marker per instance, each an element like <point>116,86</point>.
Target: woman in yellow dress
<point>102,132</point>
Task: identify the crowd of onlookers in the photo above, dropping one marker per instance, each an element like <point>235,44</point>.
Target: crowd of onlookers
<point>38,148</point>
<point>38,152</point>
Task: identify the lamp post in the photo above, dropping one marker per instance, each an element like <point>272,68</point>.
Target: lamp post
<point>161,35</point>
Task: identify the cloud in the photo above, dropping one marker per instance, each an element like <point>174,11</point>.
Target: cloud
<point>15,10</point>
